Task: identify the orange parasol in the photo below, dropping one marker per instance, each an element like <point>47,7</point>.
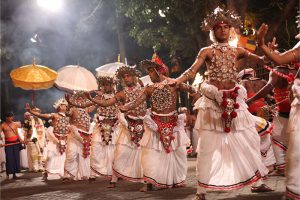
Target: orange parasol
<point>33,77</point>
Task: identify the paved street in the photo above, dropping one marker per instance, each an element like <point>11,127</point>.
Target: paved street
<point>30,186</point>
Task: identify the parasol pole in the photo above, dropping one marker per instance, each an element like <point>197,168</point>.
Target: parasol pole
<point>33,92</point>
<point>33,97</point>
<point>119,58</point>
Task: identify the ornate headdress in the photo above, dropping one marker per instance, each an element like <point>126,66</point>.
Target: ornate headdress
<point>79,97</point>
<point>127,70</point>
<point>219,16</point>
<point>106,79</point>
<point>60,102</point>
<point>156,63</point>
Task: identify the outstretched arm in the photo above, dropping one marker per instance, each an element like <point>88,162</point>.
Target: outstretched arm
<point>265,90</point>
<point>279,58</point>
<point>191,72</point>
<point>187,88</point>
<point>106,103</point>
<point>46,116</point>
<point>243,53</point>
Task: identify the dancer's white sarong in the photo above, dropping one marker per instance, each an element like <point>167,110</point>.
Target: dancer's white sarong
<point>293,153</point>
<point>231,160</point>
<point>127,157</point>
<point>159,167</point>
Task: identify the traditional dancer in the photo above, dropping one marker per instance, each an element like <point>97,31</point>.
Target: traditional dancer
<point>77,164</point>
<point>56,146</point>
<point>293,153</point>
<point>164,139</point>
<point>228,141</point>
<point>105,130</point>
<point>252,85</point>
<point>281,93</point>
<point>261,109</point>
<point>12,144</point>
<point>127,157</point>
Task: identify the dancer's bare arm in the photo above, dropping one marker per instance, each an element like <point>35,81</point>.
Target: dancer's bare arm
<point>28,108</point>
<point>187,88</point>
<point>191,72</point>
<point>273,78</point>
<point>109,102</point>
<point>243,53</point>
<point>278,58</point>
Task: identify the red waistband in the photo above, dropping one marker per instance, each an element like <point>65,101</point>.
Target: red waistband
<point>12,138</point>
<point>165,119</point>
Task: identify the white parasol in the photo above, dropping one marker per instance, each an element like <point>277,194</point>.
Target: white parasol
<point>75,78</point>
<point>109,69</point>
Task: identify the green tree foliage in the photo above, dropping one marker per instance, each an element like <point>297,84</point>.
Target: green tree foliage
<point>174,25</point>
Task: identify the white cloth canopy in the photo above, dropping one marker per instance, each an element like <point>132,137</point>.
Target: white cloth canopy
<point>109,69</point>
<point>74,77</point>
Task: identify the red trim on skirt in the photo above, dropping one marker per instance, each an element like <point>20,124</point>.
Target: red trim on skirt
<point>161,185</point>
<point>280,145</point>
<point>292,195</point>
<point>127,177</point>
<point>253,179</point>
<point>100,174</point>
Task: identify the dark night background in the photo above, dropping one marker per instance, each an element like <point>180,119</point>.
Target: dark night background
<point>92,33</point>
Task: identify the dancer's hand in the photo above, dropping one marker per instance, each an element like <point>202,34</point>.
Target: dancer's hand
<point>88,95</point>
<point>67,97</point>
<point>123,108</point>
<point>27,107</point>
<point>99,92</point>
<point>261,33</point>
<point>273,45</point>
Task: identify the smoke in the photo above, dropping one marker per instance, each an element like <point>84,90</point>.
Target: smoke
<point>55,40</point>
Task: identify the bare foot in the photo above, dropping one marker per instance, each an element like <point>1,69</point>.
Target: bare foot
<point>277,172</point>
<point>112,185</point>
<point>45,177</point>
<point>65,180</point>
<point>261,188</point>
<point>199,197</point>
<point>92,180</point>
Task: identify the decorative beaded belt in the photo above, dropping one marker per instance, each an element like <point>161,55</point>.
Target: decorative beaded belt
<point>165,125</point>
<point>136,129</point>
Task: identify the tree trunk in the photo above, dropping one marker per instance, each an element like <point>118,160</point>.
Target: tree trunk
<point>120,34</point>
